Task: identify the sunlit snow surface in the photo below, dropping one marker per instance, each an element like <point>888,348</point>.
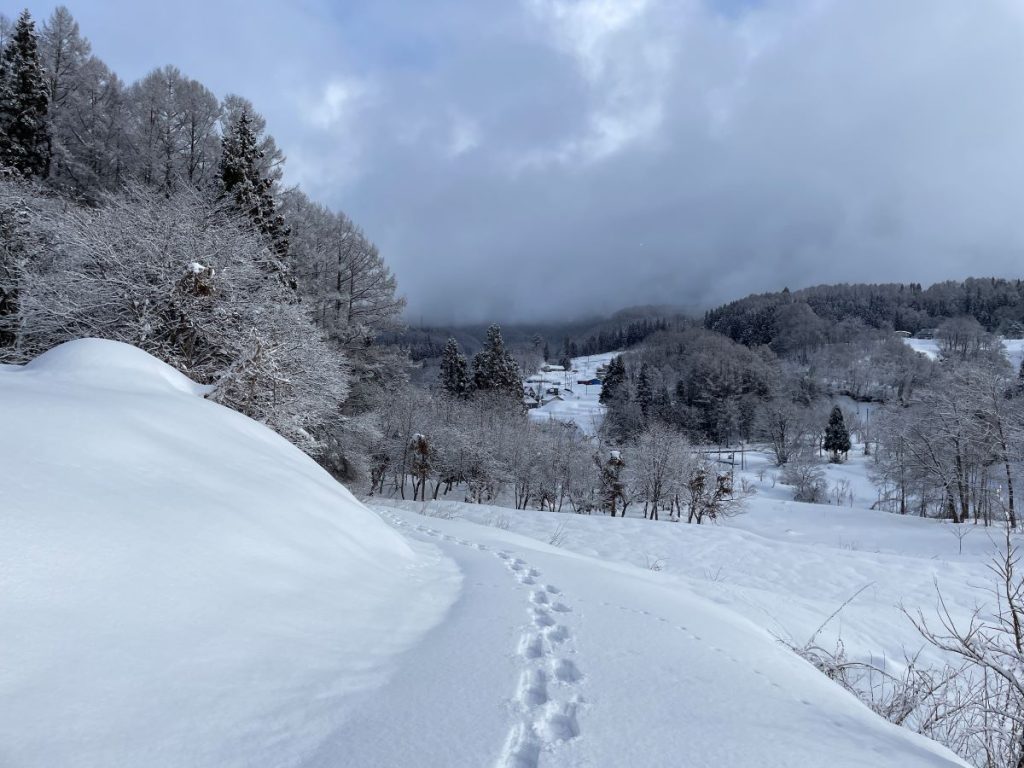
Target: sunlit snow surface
<point>179,586</point>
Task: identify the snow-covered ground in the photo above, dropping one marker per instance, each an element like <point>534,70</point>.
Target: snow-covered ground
<point>575,656</point>
<point>179,586</point>
<point>1013,348</point>
<point>787,566</point>
<point>579,402</point>
<point>182,587</point>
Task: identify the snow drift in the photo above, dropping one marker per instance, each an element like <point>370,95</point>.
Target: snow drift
<point>178,584</point>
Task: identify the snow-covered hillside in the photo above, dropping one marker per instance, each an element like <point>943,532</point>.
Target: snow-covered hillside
<point>1012,348</point>
<point>787,566</point>
<point>576,403</point>
<point>571,659</point>
<point>179,586</point>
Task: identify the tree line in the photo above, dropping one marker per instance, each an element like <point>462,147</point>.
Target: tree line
<point>784,319</point>
<point>153,213</point>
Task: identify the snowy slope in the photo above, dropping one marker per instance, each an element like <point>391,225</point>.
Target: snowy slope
<point>570,660</point>
<point>580,402</point>
<point>179,586</point>
<point>1012,348</point>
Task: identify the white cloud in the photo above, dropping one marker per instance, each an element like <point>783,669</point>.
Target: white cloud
<point>338,102</point>
<point>625,63</point>
<point>465,134</point>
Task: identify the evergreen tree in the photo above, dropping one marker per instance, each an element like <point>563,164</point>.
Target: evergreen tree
<point>547,352</point>
<point>613,380</point>
<point>837,436</point>
<point>24,103</point>
<point>494,369</point>
<point>644,393</point>
<point>612,488</point>
<point>454,375</point>
<point>241,178</point>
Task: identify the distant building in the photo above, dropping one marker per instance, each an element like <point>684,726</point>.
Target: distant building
<point>548,368</point>
<point>590,382</point>
<point>904,334</point>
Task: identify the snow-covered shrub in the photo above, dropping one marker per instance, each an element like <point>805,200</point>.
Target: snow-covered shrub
<point>807,478</point>
<point>188,281</point>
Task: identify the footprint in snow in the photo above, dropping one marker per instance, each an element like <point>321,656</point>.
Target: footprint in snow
<point>533,688</point>
<point>542,618</point>
<point>523,750</point>
<point>557,634</point>
<point>565,671</point>
<point>531,646</point>
<point>560,723</point>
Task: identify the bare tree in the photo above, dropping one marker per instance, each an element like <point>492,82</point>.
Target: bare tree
<point>992,646</point>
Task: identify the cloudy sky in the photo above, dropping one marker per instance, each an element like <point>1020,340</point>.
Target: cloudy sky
<point>521,159</point>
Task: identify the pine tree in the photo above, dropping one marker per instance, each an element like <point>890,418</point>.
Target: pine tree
<point>494,369</point>
<point>837,436</point>
<point>454,375</point>
<point>241,178</point>
<point>613,380</point>
<point>24,103</point>
<point>644,393</point>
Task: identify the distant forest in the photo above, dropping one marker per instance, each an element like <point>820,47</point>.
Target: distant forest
<point>768,318</point>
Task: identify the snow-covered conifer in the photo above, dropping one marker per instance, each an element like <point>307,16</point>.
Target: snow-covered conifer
<point>494,369</point>
<point>454,374</point>
<point>837,436</point>
<point>24,103</point>
<point>242,180</point>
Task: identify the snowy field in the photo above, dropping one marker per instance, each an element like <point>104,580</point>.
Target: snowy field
<point>579,404</point>
<point>787,566</point>
<point>1014,349</point>
<point>183,587</point>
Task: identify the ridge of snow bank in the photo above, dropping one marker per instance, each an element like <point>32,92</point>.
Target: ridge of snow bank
<point>179,585</point>
<point>112,365</point>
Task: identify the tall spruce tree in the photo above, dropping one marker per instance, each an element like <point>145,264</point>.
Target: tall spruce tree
<point>454,375</point>
<point>24,103</point>
<point>494,369</point>
<point>613,380</point>
<point>644,393</point>
<point>241,178</point>
<point>837,436</point>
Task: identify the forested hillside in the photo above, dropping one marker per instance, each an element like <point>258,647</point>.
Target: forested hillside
<point>155,213</point>
<point>786,318</point>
